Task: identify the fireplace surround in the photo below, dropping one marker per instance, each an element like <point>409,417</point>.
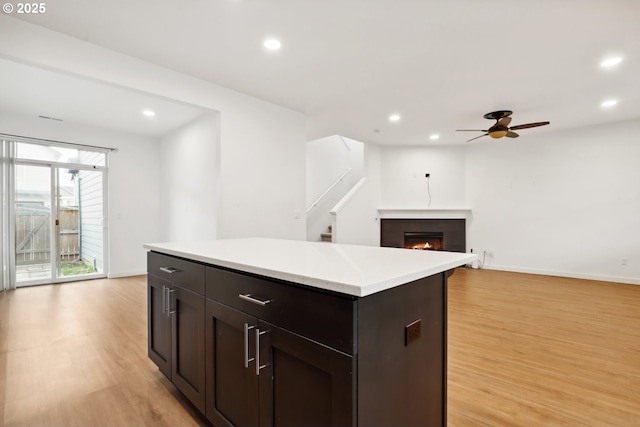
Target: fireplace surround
<point>401,233</point>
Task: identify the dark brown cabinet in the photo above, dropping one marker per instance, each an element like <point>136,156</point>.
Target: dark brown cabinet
<point>252,351</point>
<point>261,375</point>
<point>231,386</point>
<point>176,313</point>
<point>303,383</point>
<point>159,324</point>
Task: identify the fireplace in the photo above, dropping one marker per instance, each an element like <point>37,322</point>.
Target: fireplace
<point>432,234</point>
<point>423,241</point>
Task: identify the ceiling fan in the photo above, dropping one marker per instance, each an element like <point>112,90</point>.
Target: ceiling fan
<point>501,128</point>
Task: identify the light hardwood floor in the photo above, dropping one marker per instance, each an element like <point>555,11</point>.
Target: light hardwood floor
<point>528,350</point>
<point>523,350</point>
<point>75,354</point>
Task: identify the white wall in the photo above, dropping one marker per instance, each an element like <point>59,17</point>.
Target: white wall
<point>327,161</point>
<point>262,146</point>
<point>396,179</point>
<point>134,174</point>
<point>564,203</point>
<point>262,171</point>
<point>403,177</point>
<point>190,180</point>
<point>356,221</point>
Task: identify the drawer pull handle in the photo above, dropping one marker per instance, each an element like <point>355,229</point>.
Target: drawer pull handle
<point>169,270</point>
<point>248,297</point>
<point>170,311</point>
<point>246,345</point>
<point>258,365</point>
<point>164,299</point>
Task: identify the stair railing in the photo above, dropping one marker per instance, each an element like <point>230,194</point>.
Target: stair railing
<point>336,182</point>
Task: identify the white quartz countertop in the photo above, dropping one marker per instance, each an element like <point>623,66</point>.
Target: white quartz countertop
<point>349,269</point>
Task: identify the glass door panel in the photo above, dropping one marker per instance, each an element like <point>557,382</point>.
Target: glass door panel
<point>74,213</point>
<point>80,231</point>
<point>33,237</point>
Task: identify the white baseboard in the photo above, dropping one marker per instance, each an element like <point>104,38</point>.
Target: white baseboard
<point>615,279</point>
<point>126,274</point>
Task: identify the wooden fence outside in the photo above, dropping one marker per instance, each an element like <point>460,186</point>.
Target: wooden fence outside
<point>33,234</point>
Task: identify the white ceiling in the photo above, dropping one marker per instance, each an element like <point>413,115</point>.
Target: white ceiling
<point>349,64</point>
<point>37,92</point>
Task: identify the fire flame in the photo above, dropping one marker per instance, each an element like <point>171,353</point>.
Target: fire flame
<point>421,246</point>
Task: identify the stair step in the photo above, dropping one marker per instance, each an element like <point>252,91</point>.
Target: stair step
<point>326,237</point>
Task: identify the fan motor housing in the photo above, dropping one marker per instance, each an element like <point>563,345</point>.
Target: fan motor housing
<point>497,115</point>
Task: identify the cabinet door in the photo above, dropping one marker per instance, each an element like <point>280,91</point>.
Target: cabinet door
<point>159,324</point>
<point>232,384</point>
<point>187,311</point>
<point>303,382</point>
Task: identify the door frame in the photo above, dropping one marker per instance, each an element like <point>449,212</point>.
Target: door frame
<point>54,168</point>
<point>9,223</point>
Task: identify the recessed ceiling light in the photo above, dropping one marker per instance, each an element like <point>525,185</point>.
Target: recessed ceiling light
<point>394,117</point>
<point>609,103</point>
<point>149,113</point>
<point>272,44</point>
<point>434,136</point>
<point>610,62</point>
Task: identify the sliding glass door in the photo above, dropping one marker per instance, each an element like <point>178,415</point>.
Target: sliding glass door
<point>80,226</point>
<point>54,216</point>
<point>33,224</point>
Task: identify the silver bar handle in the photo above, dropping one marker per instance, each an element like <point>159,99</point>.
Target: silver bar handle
<point>169,311</point>
<point>248,297</point>
<point>246,345</point>
<point>258,366</point>
<point>164,299</point>
<point>169,270</point>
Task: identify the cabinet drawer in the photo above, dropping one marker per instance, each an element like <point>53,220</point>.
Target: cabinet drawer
<point>186,274</point>
<point>325,318</point>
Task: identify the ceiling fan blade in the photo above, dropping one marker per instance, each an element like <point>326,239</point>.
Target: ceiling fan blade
<point>471,130</point>
<point>528,125</point>
<point>504,121</point>
<point>511,134</point>
<point>477,137</point>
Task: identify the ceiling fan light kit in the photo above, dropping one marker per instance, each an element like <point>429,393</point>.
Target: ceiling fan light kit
<point>501,128</point>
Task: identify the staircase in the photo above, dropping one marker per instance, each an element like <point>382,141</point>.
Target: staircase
<point>327,236</point>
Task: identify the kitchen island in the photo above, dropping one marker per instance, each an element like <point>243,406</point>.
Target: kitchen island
<point>273,332</point>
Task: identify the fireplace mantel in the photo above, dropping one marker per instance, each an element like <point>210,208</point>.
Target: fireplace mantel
<point>415,213</point>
